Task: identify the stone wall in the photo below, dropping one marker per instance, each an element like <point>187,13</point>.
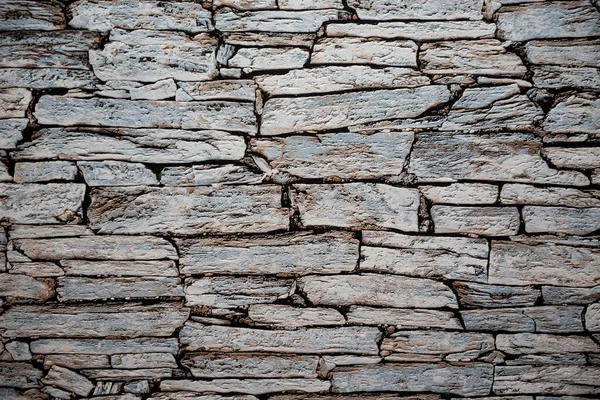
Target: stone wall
<point>293,199</point>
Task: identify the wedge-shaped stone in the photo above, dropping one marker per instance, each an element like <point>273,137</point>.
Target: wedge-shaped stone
<point>576,114</point>
<point>26,172</point>
<point>23,15</point>
<point>376,290</point>
<point>14,102</point>
<point>479,57</point>
<point>118,288</point>
<point>268,58</point>
<point>11,132</point>
<point>250,386</point>
<point>47,78</point>
<point>365,51</point>
<point>495,157</point>
<point>234,90</point>
<point>25,287</point>
<point>344,340</point>
<point>427,257</point>
<point>337,155</point>
<point>571,221</point>
<point>461,193</point>
<point>592,318</point>
<point>116,173</point>
<point>20,375</point>
<point>577,157</point>
<point>575,53</point>
<point>527,194</point>
<point>148,360</point>
<point>403,319</point>
<point>339,78</point>
<point>419,10</point>
<point>294,253</point>
<point>467,380</point>
<point>559,19</point>
<point>569,295</point>
<point>206,175</point>
<point>135,145</point>
<point>102,15</point>
<point>70,380</point>
<point>224,292</point>
<point>539,263</point>
<point>555,77</point>
<point>373,205</point>
<point>530,343</point>
<point>230,20</point>
<point>487,221</point>
<point>476,295</point>
<point>92,321</point>
<point>552,379</point>
<point>228,365</point>
<point>68,111</point>
<point>119,268</point>
<point>104,346</point>
<point>421,31</point>
<point>549,319</point>
<point>285,115</point>
<point>293,317</point>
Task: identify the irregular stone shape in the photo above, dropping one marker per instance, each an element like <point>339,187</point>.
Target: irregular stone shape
<point>539,263</point>
<point>530,343</point>
<point>27,172</point>
<point>343,340</point>
<point>101,15</point>
<point>66,111</point>
<point>494,157</point>
<point>373,205</point>
<point>487,221</point>
<point>14,102</point>
<point>560,19</point>
<point>419,10</point>
<point>575,53</point>
<point>337,155</point>
<point>148,360</point>
<point>230,20</point>
<point>11,131</point>
<point>572,221</point>
<point>427,257</point>
<point>567,197</point>
<point>160,90</point>
<point>576,114</point>
<point>47,78</point>
<point>294,253</point>
<point>415,30</point>
<point>97,248</point>
<point>50,203</point>
<point>268,58</point>
<point>475,295</point>
<point>552,379</point>
<point>339,78</point>
<point>376,290</point>
<point>550,319</point>
<point>25,287</point>
<point>461,193</point>
<point>248,209</point>
<point>161,146</point>
<point>467,380</point>
<point>250,386</point>
<point>20,375</point>
<point>74,347</point>
<point>117,288</point>
<point>92,321</point>
<point>568,295</point>
<point>206,175</point>
<point>555,77</point>
<point>592,318</point>
<point>293,317</point>
<point>285,115</point>
<point>18,350</point>
<point>69,380</point>
<point>116,173</point>
<point>77,361</point>
<point>224,292</point>
<point>578,157</point>
<point>479,57</point>
<point>227,365</point>
<point>364,51</point>
<point>119,268</point>
<point>403,319</point>
<point>234,90</point>
<point>23,15</point>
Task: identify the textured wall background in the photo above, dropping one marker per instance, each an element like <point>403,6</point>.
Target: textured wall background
<point>333,199</point>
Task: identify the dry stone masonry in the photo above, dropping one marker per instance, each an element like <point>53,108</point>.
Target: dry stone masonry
<point>299,199</point>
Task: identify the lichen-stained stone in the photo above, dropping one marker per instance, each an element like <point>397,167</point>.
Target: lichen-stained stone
<point>69,380</point>
<point>461,193</point>
<point>572,53</point>
<point>28,172</point>
<point>47,78</point>
<point>149,56</point>
<point>403,318</point>
<point>14,102</point>
<point>415,30</point>
<point>248,209</point>
<point>24,15</point>
<point>570,295</point>
<point>232,365</point>
<point>130,320</point>
<point>376,290</point>
<point>547,379</point>
<point>555,20</point>
<point>250,386</point>
<point>102,15</point>
<point>41,203</point>
<point>342,340</point>
<point>576,114</point>
<point>20,375</point>
<point>227,292</point>
<point>557,77</point>
<point>25,287</point>
<point>364,51</point>
<point>119,268</point>
<point>234,90</point>
<point>343,155</point>
<point>287,254</point>
<point>464,380</point>
<point>357,205</point>
<point>11,131</point>
<point>220,115</point>
<point>530,343</point>
<point>571,221</point>
<point>479,57</point>
<point>334,111</point>
<point>206,175</point>
<point>381,10</point>
<point>486,221</point>
<point>475,295</point>
<point>75,347</point>
<point>83,288</point>
<point>284,316</point>
<point>557,196</point>
<point>268,58</point>
<point>548,319</point>
<point>577,157</point>
<point>592,318</point>
<point>512,157</point>
<point>116,173</point>
<point>339,78</point>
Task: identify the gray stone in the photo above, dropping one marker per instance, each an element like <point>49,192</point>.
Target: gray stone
<point>592,318</point>
<point>570,295</point>
<point>487,221</point>
<point>309,4</point>
<point>230,20</point>
<point>18,350</point>
<point>14,102</point>
<point>48,231</point>
<point>74,347</point>
<point>567,197</point>
<point>20,375</point>
<point>69,380</point>
<point>555,77</point>
<point>25,287</point>
<point>364,51</point>
<point>576,114</point>
<point>128,374</point>
<point>81,288</point>
<point>575,53</point>
<point>23,15</point>
<point>206,175</point>
<point>530,343</point>
<point>268,58</point>
<point>284,316</point>
<point>576,158</point>
<point>461,193</point>
<point>77,361</point>
<point>415,30</point>
<point>419,10</point>
<point>11,131</point>
<point>250,386</point>
<point>403,318</point>
<point>572,221</point>
<point>551,379</point>
<point>116,173</point>
<point>234,90</point>
<point>119,268</point>
<point>160,90</point>
<point>148,360</point>
<point>44,171</point>
<point>475,295</point>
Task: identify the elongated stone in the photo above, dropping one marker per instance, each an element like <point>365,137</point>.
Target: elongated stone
<point>337,155</point>
<point>148,360</point>
<point>234,90</point>
<point>578,157</point>
<point>230,20</point>
<point>592,318</point>
<point>540,263</point>
<point>467,380</point>
<point>36,269</point>
<point>25,287</point>
<point>92,321</point>
<point>575,53</point>
<point>116,173</point>
<point>77,361</point>
<point>119,268</point>
<point>268,58</point>
<point>293,317</point>
<point>403,318</point>
<point>344,340</point>
<point>420,10</point>
<point>576,114</point>
<point>189,395</point>
<point>28,172</point>
<point>20,375</point>
<point>555,379</point>
<point>309,4</point>
<point>374,205</point>
<point>70,288</point>
<point>23,15</point>
<point>14,102</point>
<point>65,111</point>
<point>47,78</point>
<point>266,39</point>
<point>376,290</point>
<point>160,90</point>
<point>569,295</point>
<point>487,221</point>
<point>572,221</point>
<point>227,365</point>
<point>556,77</point>
<point>515,158</point>
<point>206,175</point>
<point>365,396</point>
<point>69,380</point>
<point>461,193</point>
<point>74,347</point>
<point>567,197</point>
<point>285,115</point>
<point>250,386</point>
<point>420,31</point>
<point>157,210</point>
<point>475,295</point>
<point>11,131</point>
<point>106,15</point>
<point>295,253</point>
<point>48,231</point>
<point>128,374</point>
<point>364,51</point>
<point>530,343</point>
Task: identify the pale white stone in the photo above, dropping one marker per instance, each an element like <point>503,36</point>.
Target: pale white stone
<point>27,172</point>
<point>575,53</point>
<point>364,51</point>
<point>592,318</point>
<point>571,221</point>
<point>268,58</point>
<point>69,380</point>
<point>230,20</point>
<point>577,157</point>
<point>576,114</point>
<point>74,347</point>
<point>554,379</point>
<point>556,77</point>
<point>420,31</point>
<point>119,268</point>
<point>527,194</point>
<point>461,193</point>
<point>419,9</point>
<point>530,343</point>
<point>250,386</point>
<point>148,360</point>
<point>234,90</point>
<point>403,318</point>
<point>160,90</point>
<point>293,317</point>
<point>116,173</point>
<point>205,175</point>
<point>84,288</point>
<point>23,15</point>
<point>14,102</point>
<point>487,221</point>
<point>309,4</point>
